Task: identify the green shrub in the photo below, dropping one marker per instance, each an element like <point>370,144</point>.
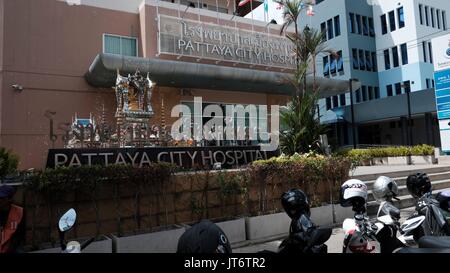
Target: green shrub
<point>8,162</point>
<point>358,156</point>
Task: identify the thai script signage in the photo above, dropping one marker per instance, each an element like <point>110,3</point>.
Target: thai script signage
<point>223,43</point>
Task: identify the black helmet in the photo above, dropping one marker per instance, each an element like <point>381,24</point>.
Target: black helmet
<point>443,198</point>
<point>418,184</point>
<point>295,203</point>
<point>203,238</point>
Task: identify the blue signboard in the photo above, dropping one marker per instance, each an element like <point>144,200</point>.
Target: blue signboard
<point>442,93</point>
<point>444,115</point>
<point>442,100</point>
<point>443,107</point>
<point>442,79</point>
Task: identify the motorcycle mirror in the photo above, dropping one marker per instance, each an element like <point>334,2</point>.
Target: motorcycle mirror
<point>67,221</point>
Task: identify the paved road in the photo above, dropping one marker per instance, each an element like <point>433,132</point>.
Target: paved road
<point>334,243</point>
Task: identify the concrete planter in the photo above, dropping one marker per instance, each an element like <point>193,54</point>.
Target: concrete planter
<point>322,216</point>
<point>156,242</point>
<point>404,160</point>
<point>399,160</point>
<point>264,226</point>
<point>342,213</point>
<point>103,245</point>
<point>424,160</point>
<point>380,161</point>
<point>234,229</point>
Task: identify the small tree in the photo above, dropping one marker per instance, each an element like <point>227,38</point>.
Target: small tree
<point>301,128</point>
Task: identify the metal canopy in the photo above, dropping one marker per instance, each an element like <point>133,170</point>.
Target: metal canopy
<point>103,71</point>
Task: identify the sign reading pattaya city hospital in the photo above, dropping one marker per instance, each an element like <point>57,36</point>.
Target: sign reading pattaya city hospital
<point>222,43</point>
<point>441,56</point>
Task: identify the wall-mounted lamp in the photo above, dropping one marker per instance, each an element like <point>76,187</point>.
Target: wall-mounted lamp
<point>17,87</point>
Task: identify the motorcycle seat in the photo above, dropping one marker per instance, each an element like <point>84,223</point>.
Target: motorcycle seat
<point>423,250</point>
<point>434,242</point>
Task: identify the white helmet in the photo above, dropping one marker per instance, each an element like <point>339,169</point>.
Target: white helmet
<point>353,192</point>
<point>384,189</point>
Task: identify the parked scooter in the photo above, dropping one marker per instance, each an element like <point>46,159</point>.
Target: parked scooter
<point>385,190</point>
<point>66,223</point>
<point>443,198</point>
<point>428,215</point>
<point>304,235</point>
<point>359,231</point>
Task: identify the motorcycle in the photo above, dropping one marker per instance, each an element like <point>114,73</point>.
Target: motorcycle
<point>427,220</point>
<point>66,223</point>
<point>305,237</point>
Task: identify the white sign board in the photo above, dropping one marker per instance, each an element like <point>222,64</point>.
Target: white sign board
<point>441,57</point>
<point>441,52</point>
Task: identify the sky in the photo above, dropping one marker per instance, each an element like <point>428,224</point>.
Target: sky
<point>258,13</point>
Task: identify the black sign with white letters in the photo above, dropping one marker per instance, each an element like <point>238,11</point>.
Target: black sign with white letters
<point>186,157</point>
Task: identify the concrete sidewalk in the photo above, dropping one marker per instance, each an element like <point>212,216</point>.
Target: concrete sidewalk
<point>334,243</point>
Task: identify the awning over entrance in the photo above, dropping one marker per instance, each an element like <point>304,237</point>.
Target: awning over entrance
<point>102,73</point>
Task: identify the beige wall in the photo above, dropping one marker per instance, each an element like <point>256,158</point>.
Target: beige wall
<point>47,46</point>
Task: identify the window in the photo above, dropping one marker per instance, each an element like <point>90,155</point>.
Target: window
<point>358,23</point>
<point>430,50</point>
<point>374,62</point>
<point>371,28</point>
<point>335,102</point>
<point>428,83</point>
<point>427,21</point>
<point>119,45</point>
<point>421,14</point>
<point>328,103</point>
<point>407,86</point>
<point>369,66</point>
<point>364,92</point>
<point>401,17</point>
<point>370,91</point>
<point>404,51</point>
<point>383,24</point>
<point>395,56</point>
<point>377,92</point>
<point>389,90</point>
<point>342,99</point>
<point>352,23</point>
<point>358,95</point>
<point>398,88</point>
<point>387,61</point>
<point>432,17</point>
<point>355,58</point>
<point>362,65</point>
<point>326,66</point>
<point>323,28</point>
<point>340,62</point>
<point>438,18</point>
<point>365,26</point>
<point>424,49</point>
<point>330,29</point>
<point>444,21</point>
<point>332,65</point>
<point>392,20</point>
<point>337,26</point>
